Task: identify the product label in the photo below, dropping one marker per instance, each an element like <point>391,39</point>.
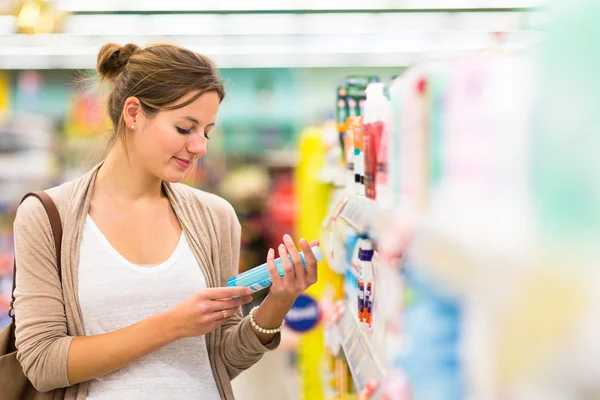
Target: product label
<point>304,314</point>
<point>368,302</point>
<point>260,285</point>
<point>361,300</point>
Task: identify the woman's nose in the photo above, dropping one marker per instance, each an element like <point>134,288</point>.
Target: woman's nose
<point>197,144</point>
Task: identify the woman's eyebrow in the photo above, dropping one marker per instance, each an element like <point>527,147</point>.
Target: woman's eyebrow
<point>194,120</point>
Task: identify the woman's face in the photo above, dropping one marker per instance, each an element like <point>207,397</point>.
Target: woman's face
<point>168,144</point>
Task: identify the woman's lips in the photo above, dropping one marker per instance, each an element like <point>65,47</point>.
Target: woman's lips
<point>185,164</point>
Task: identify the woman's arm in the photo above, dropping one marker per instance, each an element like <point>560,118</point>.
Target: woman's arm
<point>98,355</point>
<point>93,356</point>
<point>41,326</point>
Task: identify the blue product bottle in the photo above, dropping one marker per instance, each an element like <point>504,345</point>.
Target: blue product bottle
<point>432,327</point>
<point>258,278</point>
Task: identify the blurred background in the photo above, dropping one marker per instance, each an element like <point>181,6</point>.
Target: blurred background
<point>445,152</point>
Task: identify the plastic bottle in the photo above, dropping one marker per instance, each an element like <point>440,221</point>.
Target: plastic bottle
<point>359,157</point>
<point>363,256</point>
<point>382,190</point>
<point>366,259</point>
<point>341,116</point>
<point>377,110</point>
<point>390,152</point>
<point>349,154</point>
<point>258,278</point>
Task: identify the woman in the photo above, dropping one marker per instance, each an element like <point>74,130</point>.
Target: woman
<point>142,311</point>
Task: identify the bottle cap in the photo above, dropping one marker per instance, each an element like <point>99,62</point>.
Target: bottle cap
<point>375,89</point>
<point>365,255</point>
<point>318,253</point>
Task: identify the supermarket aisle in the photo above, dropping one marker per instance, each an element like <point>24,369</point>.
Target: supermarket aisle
<point>273,377</point>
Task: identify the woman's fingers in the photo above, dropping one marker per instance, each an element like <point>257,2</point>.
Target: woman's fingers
<point>273,272</point>
<point>224,292</point>
<point>230,303</point>
<point>300,273</point>
<point>311,261</point>
<point>289,281</point>
<point>223,314</point>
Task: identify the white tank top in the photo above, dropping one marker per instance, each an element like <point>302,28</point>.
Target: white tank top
<point>114,293</point>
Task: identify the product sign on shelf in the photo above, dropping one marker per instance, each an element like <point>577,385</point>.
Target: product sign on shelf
<point>304,314</point>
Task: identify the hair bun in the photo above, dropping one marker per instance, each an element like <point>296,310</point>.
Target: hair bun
<point>113,58</point>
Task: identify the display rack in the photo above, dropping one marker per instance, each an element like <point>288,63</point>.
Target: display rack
<point>367,370</point>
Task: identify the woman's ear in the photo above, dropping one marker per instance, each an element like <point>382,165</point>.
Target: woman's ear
<point>132,112</point>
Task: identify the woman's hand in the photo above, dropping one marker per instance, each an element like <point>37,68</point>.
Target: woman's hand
<point>296,279</point>
<point>285,289</point>
<point>206,310</point>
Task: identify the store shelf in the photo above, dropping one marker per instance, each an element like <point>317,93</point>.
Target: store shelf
<point>367,370</point>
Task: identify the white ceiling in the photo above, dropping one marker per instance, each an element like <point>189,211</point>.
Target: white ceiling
<point>276,39</point>
<point>258,5</point>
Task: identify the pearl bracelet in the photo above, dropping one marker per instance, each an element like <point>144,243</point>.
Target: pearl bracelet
<point>260,329</point>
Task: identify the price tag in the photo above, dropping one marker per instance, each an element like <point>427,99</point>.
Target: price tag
<point>365,369</point>
<point>362,214</point>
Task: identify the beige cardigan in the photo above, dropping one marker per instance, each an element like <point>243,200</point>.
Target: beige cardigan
<point>48,316</point>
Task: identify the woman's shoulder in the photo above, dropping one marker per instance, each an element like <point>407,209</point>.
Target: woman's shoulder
<point>32,209</point>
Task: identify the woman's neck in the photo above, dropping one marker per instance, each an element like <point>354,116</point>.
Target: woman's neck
<point>120,176</point>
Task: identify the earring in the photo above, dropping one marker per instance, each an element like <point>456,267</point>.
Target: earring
<point>132,126</point>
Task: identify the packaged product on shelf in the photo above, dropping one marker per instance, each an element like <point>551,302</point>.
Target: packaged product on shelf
<point>361,280</point>
<point>381,176</point>
<point>349,148</point>
<point>436,90</point>
<point>388,185</point>
<point>375,121</point>
<point>387,308</point>
<point>353,110</point>
<point>359,157</point>
<point>432,325</point>
<point>357,96</point>
<point>351,275</point>
<point>413,139</point>
<point>341,113</point>
<point>366,259</point>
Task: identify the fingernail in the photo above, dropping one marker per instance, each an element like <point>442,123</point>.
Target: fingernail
<point>287,237</point>
<point>303,242</point>
<point>282,247</point>
<point>248,291</point>
<point>271,251</point>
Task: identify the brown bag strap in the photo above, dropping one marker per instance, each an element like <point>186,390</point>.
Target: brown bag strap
<point>56,225</point>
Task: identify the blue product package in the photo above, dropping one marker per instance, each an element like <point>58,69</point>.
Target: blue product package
<point>258,278</point>
<point>432,321</point>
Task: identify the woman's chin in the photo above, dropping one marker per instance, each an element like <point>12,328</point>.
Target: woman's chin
<point>173,176</point>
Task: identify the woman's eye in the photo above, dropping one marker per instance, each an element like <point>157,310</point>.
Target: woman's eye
<point>183,131</point>
<point>206,135</point>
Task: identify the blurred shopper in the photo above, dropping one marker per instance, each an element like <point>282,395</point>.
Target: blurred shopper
<point>142,311</point>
